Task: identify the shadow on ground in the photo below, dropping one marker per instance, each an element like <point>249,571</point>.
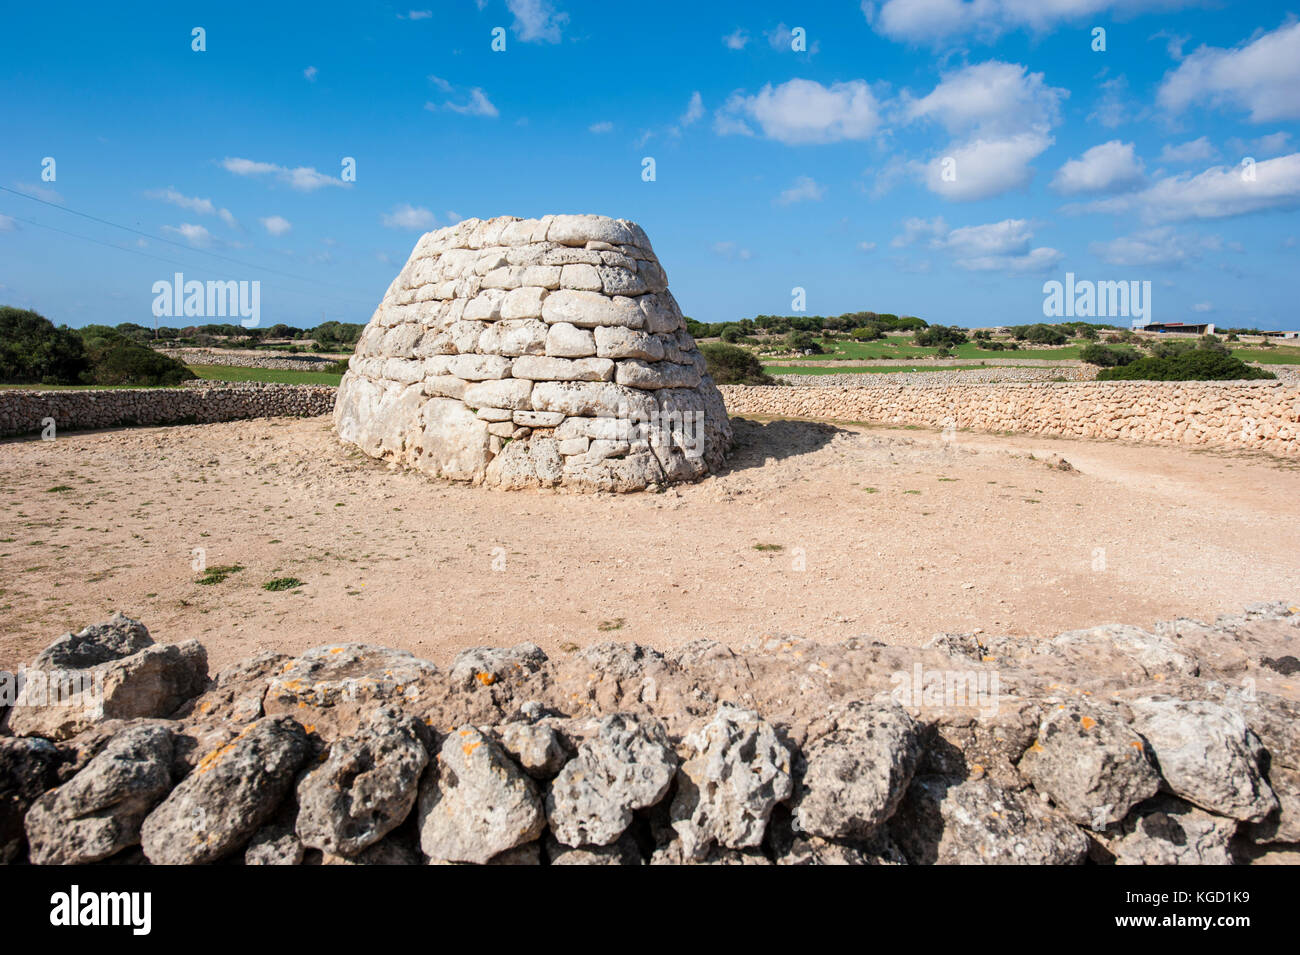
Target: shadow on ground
<point>757,442</point>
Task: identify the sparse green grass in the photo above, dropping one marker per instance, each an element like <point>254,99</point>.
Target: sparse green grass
<point>217,573</point>
<point>281,583</point>
<point>856,369</point>
<point>58,489</point>
<point>605,626</point>
<point>280,376</point>
<point>768,547</point>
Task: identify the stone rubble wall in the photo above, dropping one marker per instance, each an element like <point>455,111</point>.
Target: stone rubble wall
<point>534,352</point>
<point>23,412</point>
<point>1111,744</point>
<point>1256,415</point>
<point>251,359</point>
<point>850,377</point>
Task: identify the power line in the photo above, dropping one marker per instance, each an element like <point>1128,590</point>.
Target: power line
<point>179,245</point>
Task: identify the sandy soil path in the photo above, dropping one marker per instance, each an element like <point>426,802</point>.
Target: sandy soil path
<point>895,534</point>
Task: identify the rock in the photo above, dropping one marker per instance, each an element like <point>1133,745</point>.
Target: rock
<point>675,854</point>
<point>539,749</point>
<point>486,666</point>
<point>118,636</point>
<point>1091,764</point>
<point>153,682</point>
<point>854,776</point>
<point>949,822</point>
<point>366,786</point>
<point>539,368</point>
<point>569,341</point>
<point>1207,754</point>
<point>100,810</point>
<point>276,843</point>
<point>334,688</point>
<point>736,772</point>
<point>232,791</point>
<point>627,765</point>
<point>475,803</point>
<point>623,851</point>
<point>1156,656</point>
<point>28,767</point>
<point>1171,832</point>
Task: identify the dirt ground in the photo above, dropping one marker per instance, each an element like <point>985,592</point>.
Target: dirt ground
<point>816,530</point>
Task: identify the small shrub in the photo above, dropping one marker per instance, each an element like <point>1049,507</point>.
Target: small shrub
<point>216,574</point>
<point>1200,364</point>
<point>281,583</point>
<point>1105,356</point>
<point>732,365</point>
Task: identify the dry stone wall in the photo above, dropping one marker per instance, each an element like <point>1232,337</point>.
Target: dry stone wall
<point>1261,416</point>
<point>27,412</point>
<point>534,352</point>
<point>1111,744</point>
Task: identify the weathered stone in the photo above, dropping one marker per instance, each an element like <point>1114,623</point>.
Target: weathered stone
<point>950,822</point>
<point>628,343</point>
<point>117,637</point>
<point>1171,832</point>
<point>511,393</point>
<point>478,667</point>
<point>100,810</point>
<point>591,309</point>
<point>563,369</point>
<point>539,749</point>
<point>475,802</point>
<point>366,786</point>
<point>736,772</point>
<point>627,765</point>
<point>623,851</point>
<point>634,373</point>
<point>854,776</point>
<point>569,341</point>
<point>232,791</point>
<point>28,767</point>
<point>1091,764</point>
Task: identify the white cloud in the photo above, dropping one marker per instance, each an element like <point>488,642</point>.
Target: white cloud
<point>1162,247</point>
<point>536,21</point>
<point>301,178</point>
<point>1114,108</point>
<point>602,127</point>
<point>736,40</point>
<point>993,98</point>
<point>407,216</point>
<point>866,247</point>
<point>193,203</point>
<point>729,250</point>
<point>694,110</point>
<point>1110,167</point>
<point>1260,77</point>
<point>803,111</point>
<point>310,74</point>
<point>1203,307</point>
<point>417,15</point>
<point>1266,147</point>
<point>195,235</point>
<point>276,225</point>
<point>478,104</point>
<point>805,189</point>
<point>1193,151</point>
<point>40,192</point>
<point>1005,246</point>
<point>1001,116</point>
<point>936,21</point>
<point>439,82</point>
<point>1217,193</point>
<point>985,168</point>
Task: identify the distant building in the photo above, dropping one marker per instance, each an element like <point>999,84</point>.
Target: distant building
<point>1187,328</point>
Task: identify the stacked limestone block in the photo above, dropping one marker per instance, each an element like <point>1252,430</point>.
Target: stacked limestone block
<point>534,352</point>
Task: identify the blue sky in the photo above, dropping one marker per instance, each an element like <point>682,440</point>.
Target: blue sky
<point>775,168</point>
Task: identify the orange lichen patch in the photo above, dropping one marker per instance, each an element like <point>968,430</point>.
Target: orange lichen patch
<point>988,659</point>
<point>336,649</point>
<point>309,727</point>
<point>465,732</point>
<point>487,679</point>
<point>1158,677</point>
<point>1087,722</point>
<point>1294,609</point>
<point>214,757</point>
<point>205,706</point>
<point>469,748</point>
<point>1036,747</point>
<point>287,667</point>
<point>1137,745</point>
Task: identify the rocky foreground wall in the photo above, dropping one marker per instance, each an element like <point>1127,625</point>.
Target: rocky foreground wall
<point>28,412</point>
<point>1109,745</point>
<point>1262,416</point>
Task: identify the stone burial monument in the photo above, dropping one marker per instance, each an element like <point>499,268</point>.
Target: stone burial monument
<point>534,353</point>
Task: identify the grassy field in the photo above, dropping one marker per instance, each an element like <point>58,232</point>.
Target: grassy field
<point>903,349</point>
<point>823,370</point>
<point>1282,355</point>
<point>277,375</point>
